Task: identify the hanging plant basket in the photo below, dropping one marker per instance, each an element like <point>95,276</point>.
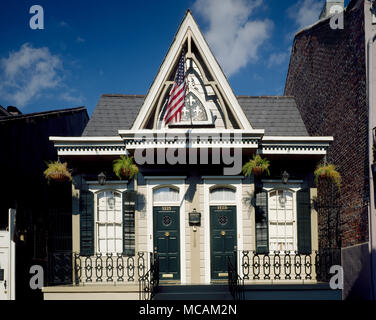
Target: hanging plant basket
<point>257,166</point>
<point>57,171</point>
<point>124,168</point>
<point>258,171</point>
<point>328,172</point>
<point>59,177</point>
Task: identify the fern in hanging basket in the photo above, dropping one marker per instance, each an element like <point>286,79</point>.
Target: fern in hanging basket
<point>57,171</point>
<point>124,167</point>
<point>329,172</point>
<point>257,166</point>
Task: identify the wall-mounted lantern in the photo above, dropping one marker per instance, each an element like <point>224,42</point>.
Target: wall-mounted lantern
<point>101,178</point>
<point>285,177</point>
<point>194,218</point>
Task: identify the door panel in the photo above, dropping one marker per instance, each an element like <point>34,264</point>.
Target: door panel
<point>167,241</point>
<point>222,239</point>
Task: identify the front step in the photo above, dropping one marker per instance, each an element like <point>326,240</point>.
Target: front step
<point>193,292</point>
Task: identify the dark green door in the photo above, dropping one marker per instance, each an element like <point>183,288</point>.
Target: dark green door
<point>167,241</point>
<point>223,239</point>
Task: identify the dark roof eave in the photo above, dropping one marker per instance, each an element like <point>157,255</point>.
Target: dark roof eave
<point>43,114</point>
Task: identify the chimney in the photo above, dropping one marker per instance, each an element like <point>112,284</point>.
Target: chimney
<point>332,7</point>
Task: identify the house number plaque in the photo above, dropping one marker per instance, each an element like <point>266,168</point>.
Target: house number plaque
<point>166,208</point>
<point>222,207</point>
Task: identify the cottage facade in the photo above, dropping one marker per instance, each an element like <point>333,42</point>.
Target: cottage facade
<point>190,206</point>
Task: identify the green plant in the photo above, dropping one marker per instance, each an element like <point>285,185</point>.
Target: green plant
<point>328,171</point>
<point>257,166</point>
<point>124,167</point>
<point>57,171</point>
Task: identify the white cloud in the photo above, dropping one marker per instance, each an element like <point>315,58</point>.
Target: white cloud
<point>277,59</point>
<point>305,12</point>
<point>232,35</point>
<point>27,73</point>
<point>72,97</point>
<point>64,24</point>
<point>80,40</point>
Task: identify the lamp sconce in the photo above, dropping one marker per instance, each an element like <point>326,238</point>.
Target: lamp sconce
<point>285,177</point>
<point>101,178</point>
<point>194,219</point>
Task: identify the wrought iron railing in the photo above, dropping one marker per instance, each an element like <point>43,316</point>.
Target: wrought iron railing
<point>110,267</point>
<point>235,282</point>
<point>68,268</point>
<point>149,282</point>
<point>286,265</point>
<point>324,260</point>
<point>60,268</point>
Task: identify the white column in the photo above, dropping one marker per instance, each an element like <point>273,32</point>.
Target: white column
<point>12,254</point>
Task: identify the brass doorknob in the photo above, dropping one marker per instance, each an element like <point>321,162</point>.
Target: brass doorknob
<point>223,233</point>
<point>167,234</point>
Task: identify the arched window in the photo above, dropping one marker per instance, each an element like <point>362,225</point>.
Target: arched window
<point>166,194</point>
<point>109,222</point>
<point>281,221</point>
<point>222,194</point>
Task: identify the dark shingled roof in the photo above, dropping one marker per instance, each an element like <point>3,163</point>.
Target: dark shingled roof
<point>279,116</point>
<point>113,112</point>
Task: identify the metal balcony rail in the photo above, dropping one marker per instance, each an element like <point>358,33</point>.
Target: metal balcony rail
<point>287,265</point>
<point>235,282</point>
<point>73,268</point>
<point>149,282</point>
<point>110,267</point>
<point>68,268</point>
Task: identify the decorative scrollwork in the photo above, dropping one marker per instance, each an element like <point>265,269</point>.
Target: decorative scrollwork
<point>98,267</point>
<point>277,265</point>
<point>88,269</point>
<point>308,266</point>
<point>120,267</point>
<point>109,267</point>
<point>298,265</point>
<point>287,265</point>
<point>256,266</point>
<point>266,266</point>
<point>245,265</point>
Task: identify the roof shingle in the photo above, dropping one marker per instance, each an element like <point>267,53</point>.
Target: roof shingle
<point>279,116</point>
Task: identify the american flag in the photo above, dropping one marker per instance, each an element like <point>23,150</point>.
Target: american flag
<point>176,100</point>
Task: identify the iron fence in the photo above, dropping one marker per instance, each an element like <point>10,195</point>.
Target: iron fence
<point>60,268</point>
<point>149,282</point>
<point>73,268</point>
<point>235,282</point>
<point>288,265</point>
<point>110,267</point>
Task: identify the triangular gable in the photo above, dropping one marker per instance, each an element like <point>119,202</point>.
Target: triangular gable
<point>189,36</point>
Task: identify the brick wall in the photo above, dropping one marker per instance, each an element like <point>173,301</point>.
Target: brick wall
<point>327,76</point>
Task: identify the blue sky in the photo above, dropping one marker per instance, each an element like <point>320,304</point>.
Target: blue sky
<point>88,48</point>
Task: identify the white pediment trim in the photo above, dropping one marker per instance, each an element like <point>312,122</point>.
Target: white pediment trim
<point>189,28</point>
